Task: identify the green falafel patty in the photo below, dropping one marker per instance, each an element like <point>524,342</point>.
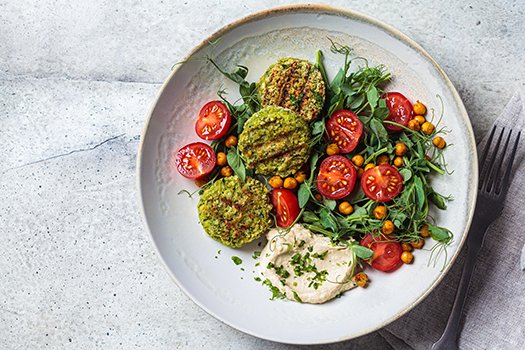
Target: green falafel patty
<point>275,141</point>
<point>234,212</point>
<point>294,84</point>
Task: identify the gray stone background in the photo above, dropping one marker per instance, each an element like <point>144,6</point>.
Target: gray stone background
<point>77,270</point>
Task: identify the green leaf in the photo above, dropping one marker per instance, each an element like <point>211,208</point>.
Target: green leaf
<point>420,193</point>
<point>236,163</point>
<point>354,102</point>
<point>362,252</point>
<point>347,90</point>
<point>405,173</point>
<point>318,127</point>
<point>335,85</point>
<point>310,217</point>
<point>381,113</point>
<point>379,129</point>
<point>439,233</point>
<point>330,203</point>
<point>436,198</point>
<point>303,195</point>
<point>328,219</point>
<point>372,97</point>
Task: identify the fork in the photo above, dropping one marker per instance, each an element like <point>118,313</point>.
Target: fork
<point>492,191</point>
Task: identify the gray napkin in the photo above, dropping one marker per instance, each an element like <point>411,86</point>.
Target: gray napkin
<point>494,312</point>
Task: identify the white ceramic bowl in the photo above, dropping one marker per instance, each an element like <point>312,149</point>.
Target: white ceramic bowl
<point>203,268</point>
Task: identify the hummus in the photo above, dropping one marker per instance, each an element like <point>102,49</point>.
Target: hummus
<point>307,267</point>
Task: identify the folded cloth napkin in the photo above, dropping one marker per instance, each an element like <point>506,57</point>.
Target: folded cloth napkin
<point>494,312</point>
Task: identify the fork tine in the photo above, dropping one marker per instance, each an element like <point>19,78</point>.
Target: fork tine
<point>506,177</point>
<point>497,176</point>
<point>486,184</point>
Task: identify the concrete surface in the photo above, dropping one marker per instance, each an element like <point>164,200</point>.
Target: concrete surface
<point>77,270</point>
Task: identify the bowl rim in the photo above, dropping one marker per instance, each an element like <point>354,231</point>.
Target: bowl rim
<point>332,11</point>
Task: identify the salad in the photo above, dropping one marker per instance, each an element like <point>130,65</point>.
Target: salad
<point>344,159</point>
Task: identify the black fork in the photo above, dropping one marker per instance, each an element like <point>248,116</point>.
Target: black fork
<point>491,195</point>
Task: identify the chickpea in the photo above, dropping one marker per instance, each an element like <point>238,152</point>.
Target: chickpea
<point>300,176</point>
<point>420,119</point>
<point>401,149</point>
<point>398,161</point>
<point>414,125</point>
<point>369,166</point>
<point>318,197</point>
<point>345,208</point>
<point>419,108</point>
<point>275,182</point>
<point>290,183</point>
<point>406,247</point>
<point>438,142</point>
<point>427,128</point>
<point>226,171</point>
<point>332,149</point>
<point>428,158</point>
<point>360,279</point>
<point>423,231</point>
<point>407,257</point>
<point>388,227</point>
<point>380,212</point>
<point>358,160</point>
<point>418,243</point>
<point>202,181</point>
<point>222,160</point>
<point>360,172</point>
<point>383,159</point>
<point>230,141</point>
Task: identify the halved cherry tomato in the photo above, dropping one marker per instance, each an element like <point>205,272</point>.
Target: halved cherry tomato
<point>285,206</point>
<point>214,121</point>
<point>195,160</point>
<point>344,129</point>
<point>381,183</point>
<point>386,252</point>
<point>337,176</point>
<point>400,108</point>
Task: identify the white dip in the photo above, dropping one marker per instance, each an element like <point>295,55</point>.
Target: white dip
<point>313,271</point>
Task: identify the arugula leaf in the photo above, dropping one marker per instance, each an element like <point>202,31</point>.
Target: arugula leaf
<point>236,163</point>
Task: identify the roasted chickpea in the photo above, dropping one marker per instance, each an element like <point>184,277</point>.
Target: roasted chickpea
<point>222,160</point>
<point>360,172</point>
<point>414,125</point>
<point>332,149</point>
<point>318,197</point>
<point>345,208</point>
<point>230,141</point>
<point>358,160</point>
<point>419,108</point>
<point>398,161</point>
<point>202,181</point>
<point>388,227</point>
<point>407,257</point>
<point>383,159</point>
<point>420,119</point>
<point>401,149</point>
<point>423,231</point>
<point>406,247</point>
<point>380,212</point>
<point>226,171</point>
<point>438,142</point>
<point>300,176</point>
<point>360,279</point>
<point>427,128</point>
<point>418,243</point>
<point>428,158</point>
<point>290,183</point>
<point>275,182</point>
<point>369,166</point>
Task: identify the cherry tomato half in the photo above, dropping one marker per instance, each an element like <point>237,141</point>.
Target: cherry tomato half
<point>381,183</point>
<point>214,121</point>
<point>195,160</point>
<point>400,108</point>
<point>386,252</point>
<point>336,177</point>
<point>344,129</point>
<point>285,206</point>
